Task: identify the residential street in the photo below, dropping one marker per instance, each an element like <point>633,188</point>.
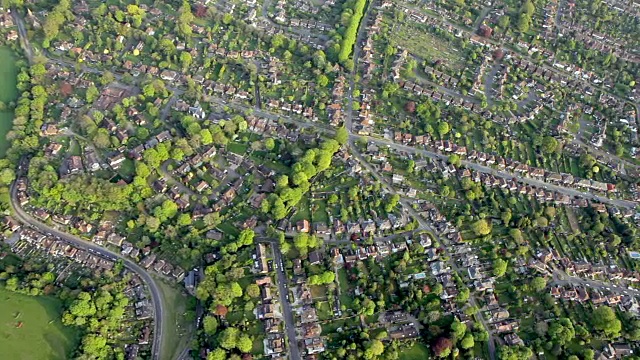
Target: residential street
<point>437,156</point>
<point>287,311</point>
<point>158,305</point>
<point>561,278</point>
<point>407,207</point>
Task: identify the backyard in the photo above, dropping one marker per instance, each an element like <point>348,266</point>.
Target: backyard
<point>8,93</point>
<point>30,328</point>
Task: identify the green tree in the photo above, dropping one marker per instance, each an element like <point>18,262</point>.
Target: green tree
<point>481,227</point>
<point>244,343</point>
<point>549,144</point>
<point>269,144</point>
<point>185,19</point>
<point>92,94</point>
<point>458,329</point>
<point>514,353</point>
<point>499,267</point>
<point>185,59</point>
<point>443,128</point>
<point>342,135</point>
<point>228,338</point>
<point>524,21</point>
<point>252,290</point>
<point>454,159</point>
<point>210,325</point>
<point>467,342</point>
<point>604,319</point>
<point>246,237</point>
<point>538,284</point>
<point>217,354</point>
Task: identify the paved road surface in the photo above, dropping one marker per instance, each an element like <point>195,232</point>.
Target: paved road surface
<point>158,305</point>
<point>562,278</point>
<point>431,154</point>
<point>507,175</point>
<point>22,32</point>
<point>287,312</point>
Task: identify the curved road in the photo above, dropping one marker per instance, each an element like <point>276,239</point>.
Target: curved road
<point>25,218</point>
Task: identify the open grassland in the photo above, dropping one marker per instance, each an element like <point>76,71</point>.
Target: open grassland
<point>30,328</point>
<point>178,329</point>
<point>8,93</point>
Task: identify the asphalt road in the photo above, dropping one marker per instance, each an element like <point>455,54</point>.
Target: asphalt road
<point>561,278</point>
<point>158,306</point>
<point>429,154</point>
<point>22,32</point>
<point>505,175</point>
<point>287,312</point>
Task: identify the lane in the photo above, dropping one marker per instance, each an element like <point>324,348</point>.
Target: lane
<point>561,278</point>
<point>22,216</point>
<point>287,311</point>
<point>432,155</point>
<point>22,32</point>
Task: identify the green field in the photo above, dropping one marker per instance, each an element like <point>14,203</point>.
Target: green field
<point>8,93</point>
<point>41,336</point>
<point>177,329</point>
<point>417,352</point>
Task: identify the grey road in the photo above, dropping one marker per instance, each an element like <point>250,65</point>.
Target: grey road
<point>22,32</point>
<point>507,175</point>
<point>431,154</point>
<point>356,56</point>
<point>287,311</point>
<point>562,279</point>
<point>158,305</point>
<point>407,207</point>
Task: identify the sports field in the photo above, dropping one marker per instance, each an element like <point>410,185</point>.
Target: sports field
<point>30,328</point>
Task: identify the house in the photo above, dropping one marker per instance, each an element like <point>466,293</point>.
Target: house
<point>513,340</point>
<point>303,226</point>
<point>498,314</point>
<point>115,239</point>
<point>168,75</point>
<point>438,268</point>
<point>116,160</point>
<point>407,331</point>
<point>261,258</point>
<point>10,223</point>
<point>314,345</point>
<point>315,257</point>
<point>322,229</point>
<point>74,165</point>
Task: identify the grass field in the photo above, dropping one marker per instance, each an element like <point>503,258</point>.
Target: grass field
<point>416,352</point>
<point>42,335</point>
<point>8,93</point>
<point>178,329</point>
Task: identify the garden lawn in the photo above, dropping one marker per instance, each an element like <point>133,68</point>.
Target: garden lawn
<point>417,352</point>
<point>41,335</point>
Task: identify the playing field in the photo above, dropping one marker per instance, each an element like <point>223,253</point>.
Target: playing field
<point>30,328</point>
<point>8,93</point>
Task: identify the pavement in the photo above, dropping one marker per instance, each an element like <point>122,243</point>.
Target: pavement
<point>561,278</point>
<point>158,304</point>
<point>287,311</point>
<point>22,32</point>
<point>506,175</point>
<point>429,154</point>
